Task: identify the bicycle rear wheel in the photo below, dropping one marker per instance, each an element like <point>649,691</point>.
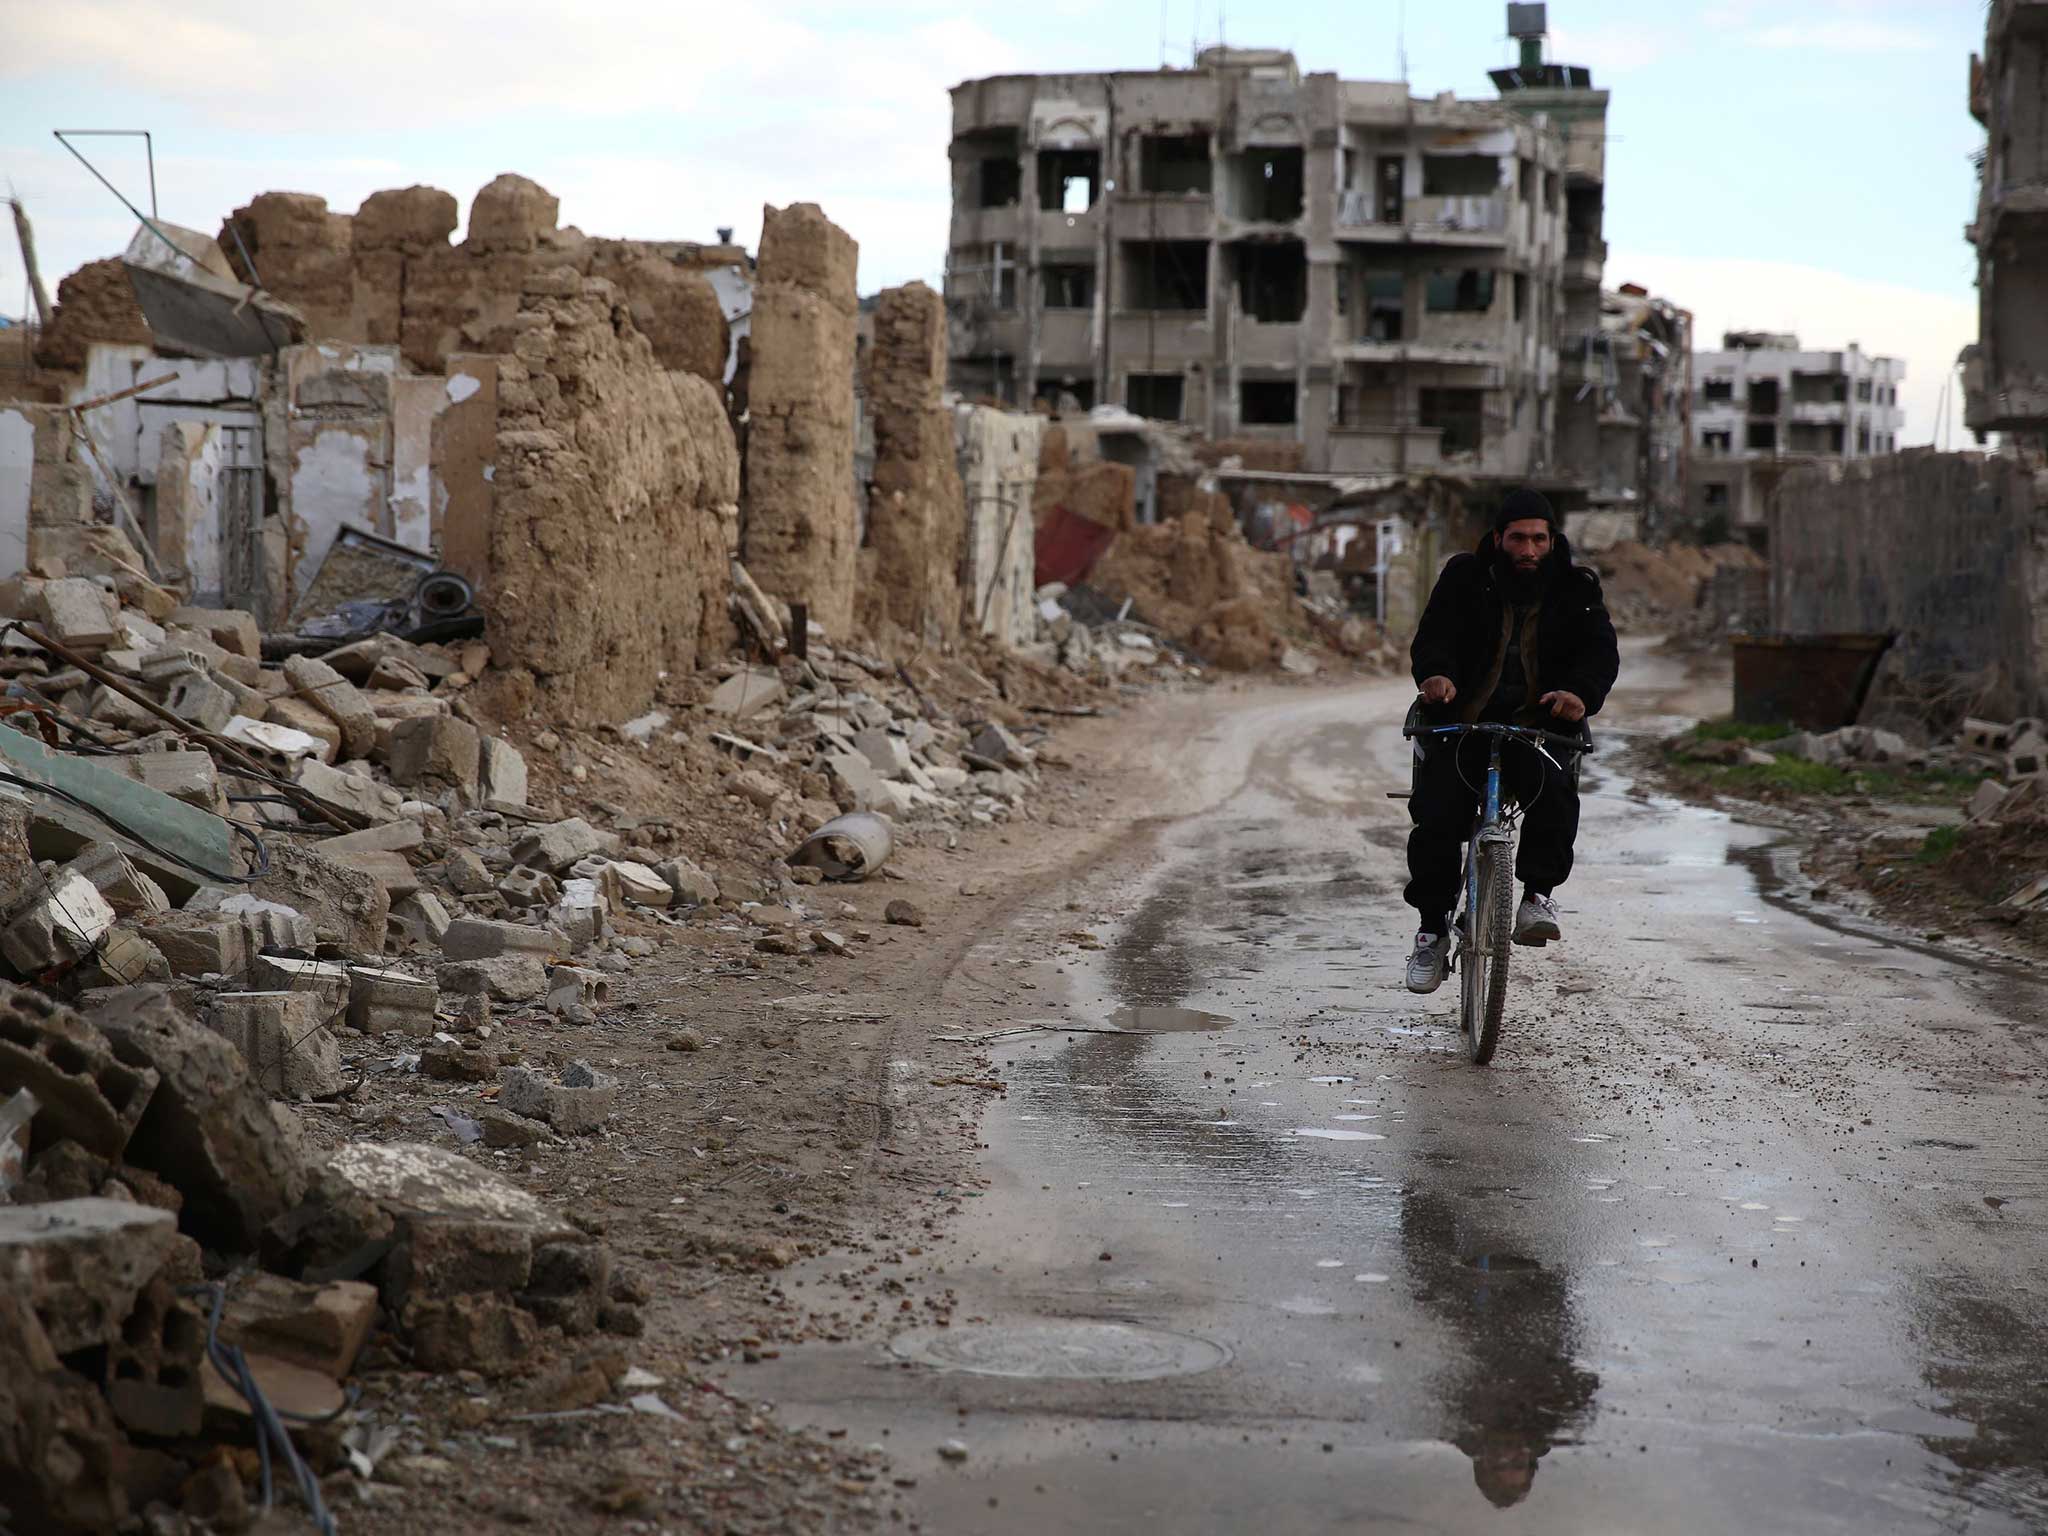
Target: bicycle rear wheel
<point>1492,930</point>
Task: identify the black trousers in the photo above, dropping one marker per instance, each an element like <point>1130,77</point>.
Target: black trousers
<point>1443,809</point>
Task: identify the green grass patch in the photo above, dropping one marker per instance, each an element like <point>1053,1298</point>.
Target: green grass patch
<point>1738,730</point>
<point>1793,775</point>
<point>1939,844</point>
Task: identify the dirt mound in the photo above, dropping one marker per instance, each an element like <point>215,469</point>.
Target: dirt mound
<point>1198,581</point>
<point>1651,589</point>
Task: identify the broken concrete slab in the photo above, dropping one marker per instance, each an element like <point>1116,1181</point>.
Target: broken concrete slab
<point>994,743</point>
<point>58,927</point>
<point>560,844</point>
<point>319,685</point>
<point>518,978</point>
<point>60,830</point>
<point>79,613</point>
<point>187,776</point>
<point>420,918</point>
<point>482,1333</point>
<point>83,1091</point>
<point>639,884</point>
<point>290,1052</point>
<point>749,691</point>
<point>351,791</point>
<point>208,1129</point>
<point>233,630</point>
<point>327,981</point>
<point>199,943</point>
<point>278,747</point>
<point>289,712</point>
<point>501,772</point>
<point>319,1327</point>
<point>413,1179</point>
<point>480,938</point>
<point>80,1263</point>
<point>113,874</point>
<point>691,885</point>
<point>348,908</point>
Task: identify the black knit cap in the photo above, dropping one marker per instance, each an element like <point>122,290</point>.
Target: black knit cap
<point>1522,503</point>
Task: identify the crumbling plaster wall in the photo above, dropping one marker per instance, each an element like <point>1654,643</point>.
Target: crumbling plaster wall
<point>998,456</point>
<point>388,276</point>
<point>1947,550</point>
<point>800,522</point>
<point>616,494</point>
<point>911,567</point>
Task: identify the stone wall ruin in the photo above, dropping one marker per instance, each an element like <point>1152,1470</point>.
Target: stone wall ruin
<point>910,567</point>
<point>617,486</point>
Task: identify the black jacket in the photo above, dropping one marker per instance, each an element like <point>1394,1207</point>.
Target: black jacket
<point>1460,633</point>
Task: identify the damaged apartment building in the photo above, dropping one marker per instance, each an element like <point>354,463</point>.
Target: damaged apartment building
<point>1390,284</point>
<point>2005,373</point>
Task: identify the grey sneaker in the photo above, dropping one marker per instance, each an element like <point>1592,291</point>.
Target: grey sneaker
<point>1536,921</point>
<point>1428,961</point>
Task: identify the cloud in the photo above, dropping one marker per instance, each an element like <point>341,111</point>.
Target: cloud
<point>1827,311</point>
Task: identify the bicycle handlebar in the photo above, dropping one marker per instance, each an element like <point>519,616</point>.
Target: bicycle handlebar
<point>1518,732</point>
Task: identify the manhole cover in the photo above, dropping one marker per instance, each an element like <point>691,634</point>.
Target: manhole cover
<point>1075,1351</point>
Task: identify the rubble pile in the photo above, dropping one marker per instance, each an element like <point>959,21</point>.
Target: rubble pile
<point>1203,586</point>
<point>1661,589</point>
<point>95,303</point>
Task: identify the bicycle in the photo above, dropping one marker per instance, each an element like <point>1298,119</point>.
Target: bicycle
<point>1485,928</point>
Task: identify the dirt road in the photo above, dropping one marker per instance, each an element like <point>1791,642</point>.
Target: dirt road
<point>1742,1231</point>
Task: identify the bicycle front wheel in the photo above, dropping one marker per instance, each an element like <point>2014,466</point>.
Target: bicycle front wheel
<point>1493,927</point>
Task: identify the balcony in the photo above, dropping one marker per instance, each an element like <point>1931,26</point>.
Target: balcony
<point>1436,220</point>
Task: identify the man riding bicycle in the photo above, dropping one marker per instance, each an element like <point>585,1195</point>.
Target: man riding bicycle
<point>1514,634</point>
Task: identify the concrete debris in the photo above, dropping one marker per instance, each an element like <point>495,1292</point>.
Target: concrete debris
<point>79,1264</point>
<point>849,847</point>
<point>290,1052</point>
<point>476,938</point>
<point>512,978</point>
<point>571,1108</point>
<point>57,928</point>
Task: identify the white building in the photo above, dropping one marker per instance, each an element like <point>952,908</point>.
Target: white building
<point>1762,404</point>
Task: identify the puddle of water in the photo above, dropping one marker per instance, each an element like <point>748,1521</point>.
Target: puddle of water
<point>1333,1079</point>
<point>1167,1021</point>
<point>1329,1263</point>
<point>1370,1277</point>
<point>1322,1133</point>
<point>1502,1263</point>
<point>1070,1351</point>
<point>1354,1117</point>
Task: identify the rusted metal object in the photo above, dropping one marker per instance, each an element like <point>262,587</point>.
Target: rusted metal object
<point>1814,682</point>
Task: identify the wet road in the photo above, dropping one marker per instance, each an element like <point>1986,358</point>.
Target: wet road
<point>1742,1232</point>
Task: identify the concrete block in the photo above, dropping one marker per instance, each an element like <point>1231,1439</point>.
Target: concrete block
<point>488,1334</point>
<point>583,913</point>
<point>265,924</point>
<point>574,1111</point>
<point>113,874</point>
<point>326,981</point>
<point>557,845</point>
<point>336,697</point>
<point>506,979</point>
<point>79,1264</point>
<point>199,943</point>
<point>573,984</point>
<point>209,1130</point>
<point>399,836</point>
<point>435,749</point>
<point>1986,799</point>
<point>199,700</point>
<point>86,1094</point>
<point>380,1000</point>
<point>692,886</point>
<point>888,753</point>
<point>58,927</point>
<point>290,1052</point>
<point>501,772</point>
<point>124,959</point>
<point>749,691</point>
<point>319,1327</point>
<point>529,888</point>
<point>639,884</point>
<point>229,628</point>
<point>479,938</point>
<point>464,873</point>
<point>351,791</point>
<point>998,746</point>
<point>80,613</point>
<point>187,776</point>
<point>296,714</point>
<point>421,918</point>
<point>119,711</point>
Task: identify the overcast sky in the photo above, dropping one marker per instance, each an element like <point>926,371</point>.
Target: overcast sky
<point>1796,165</point>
